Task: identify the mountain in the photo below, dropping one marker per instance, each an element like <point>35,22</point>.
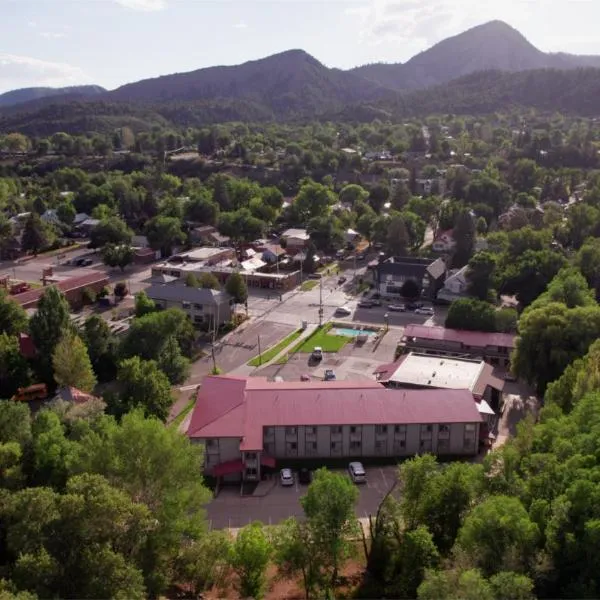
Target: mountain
<point>36,93</point>
<point>289,83</point>
<point>491,46</point>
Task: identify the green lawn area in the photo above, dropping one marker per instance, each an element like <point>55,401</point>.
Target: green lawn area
<point>176,422</point>
<point>273,351</point>
<point>309,285</point>
<point>322,337</point>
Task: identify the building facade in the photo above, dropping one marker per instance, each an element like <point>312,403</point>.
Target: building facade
<point>248,424</point>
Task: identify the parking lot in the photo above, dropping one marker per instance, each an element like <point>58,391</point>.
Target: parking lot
<point>229,509</point>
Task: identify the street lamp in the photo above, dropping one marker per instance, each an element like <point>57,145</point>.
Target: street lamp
<point>387,321</point>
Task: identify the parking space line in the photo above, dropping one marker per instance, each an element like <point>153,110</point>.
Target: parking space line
<point>383,477</point>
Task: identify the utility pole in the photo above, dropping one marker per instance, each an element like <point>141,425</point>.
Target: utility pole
<point>320,302</point>
<point>259,352</point>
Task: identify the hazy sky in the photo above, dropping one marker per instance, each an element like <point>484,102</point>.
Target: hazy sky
<point>111,42</point>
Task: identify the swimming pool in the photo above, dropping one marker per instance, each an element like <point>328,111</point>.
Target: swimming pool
<point>349,332</point>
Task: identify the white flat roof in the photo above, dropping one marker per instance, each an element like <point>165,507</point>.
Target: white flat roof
<point>438,372</point>
<point>202,253</point>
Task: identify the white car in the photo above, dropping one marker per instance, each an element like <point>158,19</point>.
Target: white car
<point>286,477</point>
<point>357,472</point>
<point>424,310</point>
<point>343,310</point>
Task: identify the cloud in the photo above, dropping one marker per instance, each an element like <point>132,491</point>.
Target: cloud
<point>240,25</point>
<point>26,71</point>
<point>143,5</point>
<point>52,35</point>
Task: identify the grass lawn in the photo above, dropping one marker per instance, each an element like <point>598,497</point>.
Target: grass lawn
<point>273,351</point>
<point>309,285</point>
<point>176,422</point>
<point>322,337</point>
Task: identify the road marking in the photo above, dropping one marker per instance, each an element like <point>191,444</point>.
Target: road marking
<point>383,477</point>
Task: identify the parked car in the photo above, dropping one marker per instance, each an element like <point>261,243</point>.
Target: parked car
<point>397,307</point>
<point>286,477</point>
<point>425,310</point>
<point>305,476</point>
<point>343,310</point>
<point>341,280</point>
<point>329,375</point>
<point>412,306</point>
<point>305,377</point>
<point>375,301</point>
<point>357,472</point>
<point>317,353</point>
<point>365,304</point>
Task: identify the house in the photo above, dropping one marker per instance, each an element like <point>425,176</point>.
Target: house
<point>295,239</point>
<point>427,187</point>
<point>18,222</point>
<point>73,288</point>
<point>391,274</point>
<point>80,218</point>
<point>272,253</point>
<point>86,226</point>
<point>205,307</point>
<point>247,425</point>
<point>50,217</point>
<point>455,286</point>
<point>424,371</point>
<point>444,241</point>
<point>208,235</point>
<point>494,348</point>
<point>352,237</point>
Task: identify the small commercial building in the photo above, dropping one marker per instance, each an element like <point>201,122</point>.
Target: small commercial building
<point>494,348</point>
<point>424,371</point>
<point>205,307</point>
<point>72,287</point>
<point>249,424</point>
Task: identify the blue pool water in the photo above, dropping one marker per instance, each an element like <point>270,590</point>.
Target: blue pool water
<point>349,332</point>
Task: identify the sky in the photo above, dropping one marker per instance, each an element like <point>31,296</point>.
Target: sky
<point>112,42</point>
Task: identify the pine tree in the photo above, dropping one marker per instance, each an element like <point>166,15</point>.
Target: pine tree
<point>72,365</point>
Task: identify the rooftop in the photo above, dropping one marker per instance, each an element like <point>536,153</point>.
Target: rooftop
<point>478,339</point>
<point>179,292</point>
<point>424,370</point>
<point>296,233</point>
<point>241,407</point>
<point>199,254</point>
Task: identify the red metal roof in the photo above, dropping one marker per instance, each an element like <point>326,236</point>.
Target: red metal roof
<point>66,285</point>
<point>240,408</point>
<point>479,339</point>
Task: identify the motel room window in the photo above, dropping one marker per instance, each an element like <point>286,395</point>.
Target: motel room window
<point>381,429</point>
<point>185,305</point>
<point>336,430</point>
<point>336,447</point>
<point>250,455</point>
<point>311,431</point>
<point>400,429</point>
<point>399,445</point>
<point>291,449</point>
<point>380,446</point>
<point>355,445</point>
<point>291,431</point>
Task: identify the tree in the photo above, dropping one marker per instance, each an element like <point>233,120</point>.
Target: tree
<point>471,314</point>
<point>400,196</point>
<point>101,347</point>
<point>191,280</point>
<point>506,320</point>
<point>313,200</point>
<point>144,385</point>
<point>235,286</point>
<point>164,233</point>
<point>47,327</point>
<point>117,255</point>
<point>112,230</point>
<point>410,289</point>
<point>121,290</point>
<point>499,535</point>
<point>568,287</point>
<point>329,506</point>
<point>415,227</point>
<point>326,233</point>
<point>464,236</point>
<point>204,563</point>
<point>146,330</point>
<point>551,337</point>
<point>364,225</point>
<point>480,274</point>
<point>13,319</point>
<point>161,469</point>
<point>295,553</point>
<point>71,362</point>
<point>172,363</point>
<point>143,304</point>
<point>524,176</point>
<point>14,371</point>
<point>66,212</point>
<point>461,585</point>
<point>208,281</point>
<point>352,193</point>
<point>507,585</point>
<point>588,261</point>
<point>397,239</point>
<point>250,554</point>
<point>35,235</point>
<point>378,196</point>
